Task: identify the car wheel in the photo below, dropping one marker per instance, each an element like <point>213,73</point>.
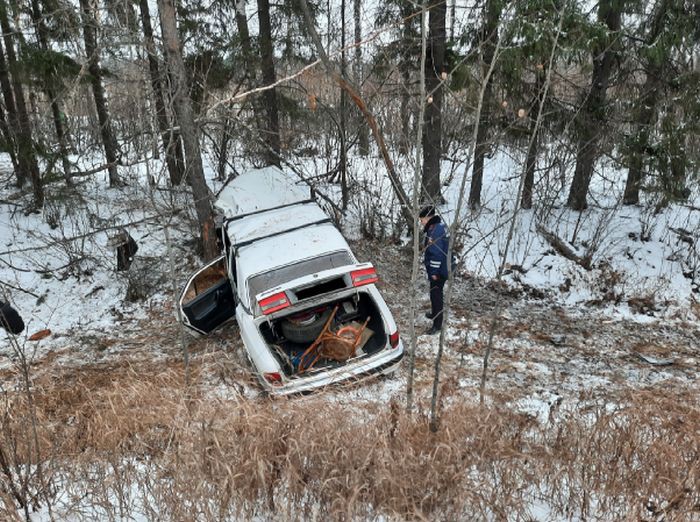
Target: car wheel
<point>305,327</point>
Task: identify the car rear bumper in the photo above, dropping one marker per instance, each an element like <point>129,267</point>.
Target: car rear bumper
<point>383,363</point>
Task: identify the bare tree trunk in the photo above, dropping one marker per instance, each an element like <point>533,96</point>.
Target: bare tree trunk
<point>223,149</point>
<point>172,146</point>
<point>640,145</point>
<point>533,148</point>
<point>363,135</point>
<point>190,134</point>
<point>21,167</point>
<point>345,84</point>
<point>416,231</point>
<point>25,143</point>
<point>244,36</point>
<point>56,105</point>
<point>593,117</point>
<point>488,44</point>
<point>405,66</point>
<point>342,167</point>
<point>269,78</point>
<point>109,142</point>
<point>249,64</point>
<point>7,135</point>
<point>432,131</point>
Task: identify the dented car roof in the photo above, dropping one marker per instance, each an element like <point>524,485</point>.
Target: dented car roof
<point>260,189</point>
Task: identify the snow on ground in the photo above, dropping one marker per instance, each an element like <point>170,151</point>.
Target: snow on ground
<point>63,277</point>
<point>564,333</point>
<point>59,268</point>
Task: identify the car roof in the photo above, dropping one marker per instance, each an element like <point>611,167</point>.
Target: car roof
<point>259,189</point>
<point>273,222</point>
<point>284,249</point>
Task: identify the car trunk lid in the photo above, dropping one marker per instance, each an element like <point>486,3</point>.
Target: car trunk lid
<point>275,301</point>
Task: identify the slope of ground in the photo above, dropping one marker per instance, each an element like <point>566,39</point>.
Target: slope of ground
<point>573,384</point>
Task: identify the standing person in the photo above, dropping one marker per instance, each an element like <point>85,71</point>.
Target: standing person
<point>435,259</point>
<point>10,319</point>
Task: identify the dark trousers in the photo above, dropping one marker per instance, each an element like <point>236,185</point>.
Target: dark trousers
<point>436,301</point>
<point>10,319</point>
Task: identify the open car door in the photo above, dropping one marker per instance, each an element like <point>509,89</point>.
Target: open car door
<point>208,301</point>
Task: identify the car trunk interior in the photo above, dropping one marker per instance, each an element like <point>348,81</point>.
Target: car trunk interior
<point>352,311</point>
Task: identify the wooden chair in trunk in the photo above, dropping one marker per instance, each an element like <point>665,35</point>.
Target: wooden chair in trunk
<point>337,346</point>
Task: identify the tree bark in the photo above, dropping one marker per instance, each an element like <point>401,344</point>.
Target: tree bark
<point>432,129</point>
<point>109,142</point>
<point>172,144</point>
<point>272,132</point>
<point>488,44</point>
<point>56,105</point>
<point>533,147</point>
<point>416,224</point>
<point>21,167</point>
<point>223,149</point>
<point>593,117</point>
<point>362,133</point>
<point>405,66</point>
<point>7,135</point>
<point>188,129</point>
<point>23,136</point>
<point>342,166</point>
<point>249,62</point>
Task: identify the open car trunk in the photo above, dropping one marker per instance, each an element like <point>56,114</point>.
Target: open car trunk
<point>357,313</point>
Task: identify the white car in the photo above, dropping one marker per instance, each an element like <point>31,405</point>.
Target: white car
<point>288,276</point>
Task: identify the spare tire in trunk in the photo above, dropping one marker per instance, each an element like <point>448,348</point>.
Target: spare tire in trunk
<point>306,326</point>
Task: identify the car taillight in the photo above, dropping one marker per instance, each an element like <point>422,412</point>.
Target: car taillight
<point>274,303</point>
<point>365,276</point>
<point>394,339</point>
<point>273,378</point>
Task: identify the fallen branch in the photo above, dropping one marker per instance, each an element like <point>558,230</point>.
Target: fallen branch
<point>20,289</point>
<point>563,249</point>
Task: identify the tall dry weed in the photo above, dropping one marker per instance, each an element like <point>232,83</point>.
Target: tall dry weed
<point>126,441</point>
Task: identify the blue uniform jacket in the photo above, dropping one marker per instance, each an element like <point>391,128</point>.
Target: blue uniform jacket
<point>436,246</point>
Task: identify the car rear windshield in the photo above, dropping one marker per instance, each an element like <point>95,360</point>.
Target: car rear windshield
<point>261,282</point>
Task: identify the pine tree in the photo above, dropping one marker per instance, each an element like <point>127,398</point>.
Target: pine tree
<point>593,113</point>
<point>57,111</point>
<point>663,37</point>
<point>14,97</point>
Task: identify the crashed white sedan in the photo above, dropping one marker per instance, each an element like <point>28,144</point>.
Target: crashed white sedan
<point>309,314</point>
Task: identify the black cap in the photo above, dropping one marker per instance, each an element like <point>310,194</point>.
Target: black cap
<point>427,211</point>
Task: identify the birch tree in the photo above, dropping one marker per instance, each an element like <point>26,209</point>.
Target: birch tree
<point>109,142</point>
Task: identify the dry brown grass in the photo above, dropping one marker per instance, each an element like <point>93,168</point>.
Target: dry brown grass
<point>135,439</point>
